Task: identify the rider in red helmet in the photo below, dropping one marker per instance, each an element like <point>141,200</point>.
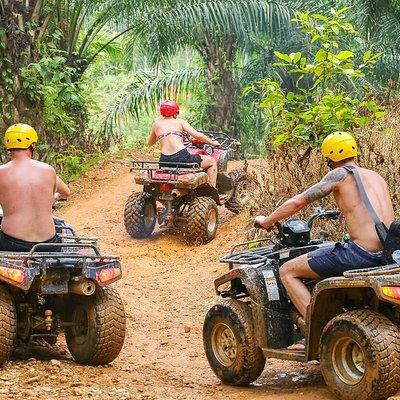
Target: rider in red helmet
<point>169,108</point>
<point>171,131</point>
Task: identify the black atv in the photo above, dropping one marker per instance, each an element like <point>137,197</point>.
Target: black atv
<point>44,293</point>
<point>351,325</point>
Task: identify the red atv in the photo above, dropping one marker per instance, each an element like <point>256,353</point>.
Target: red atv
<point>186,198</point>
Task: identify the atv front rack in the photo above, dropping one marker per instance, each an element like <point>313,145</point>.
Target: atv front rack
<point>250,256</point>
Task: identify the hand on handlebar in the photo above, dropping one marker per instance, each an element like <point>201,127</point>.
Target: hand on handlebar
<point>259,223</point>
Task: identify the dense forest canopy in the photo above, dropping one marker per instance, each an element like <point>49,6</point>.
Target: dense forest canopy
<point>89,74</point>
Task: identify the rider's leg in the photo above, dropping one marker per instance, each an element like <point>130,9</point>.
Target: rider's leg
<point>291,274</point>
<point>210,165</point>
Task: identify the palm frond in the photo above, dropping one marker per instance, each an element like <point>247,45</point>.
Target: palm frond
<point>146,92</point>
<point>172,28</point>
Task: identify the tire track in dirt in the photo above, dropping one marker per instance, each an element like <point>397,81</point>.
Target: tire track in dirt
<point>167,288</point>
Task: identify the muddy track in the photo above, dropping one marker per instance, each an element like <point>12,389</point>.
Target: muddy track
<point>167,289</point>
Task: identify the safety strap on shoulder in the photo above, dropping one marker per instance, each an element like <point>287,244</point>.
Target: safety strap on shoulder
<point>380,227</point>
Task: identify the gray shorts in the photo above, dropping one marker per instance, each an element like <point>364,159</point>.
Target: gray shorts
<point>333,260</point>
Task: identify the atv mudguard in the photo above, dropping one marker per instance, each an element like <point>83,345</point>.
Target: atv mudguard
<point>331,296</point>
<point>272,324</point>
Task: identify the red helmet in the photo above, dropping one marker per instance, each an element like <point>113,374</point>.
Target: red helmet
<point>169,108</point>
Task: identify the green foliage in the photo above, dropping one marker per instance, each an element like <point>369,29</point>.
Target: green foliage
<point>50,81</point>
<point>74,164</point>
<point>329,92</point>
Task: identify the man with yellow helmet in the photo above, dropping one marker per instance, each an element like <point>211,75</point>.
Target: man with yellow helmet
<point>28,189</point>
<point>364,248</point>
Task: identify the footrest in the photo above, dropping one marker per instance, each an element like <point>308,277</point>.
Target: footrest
<point>286,354</point>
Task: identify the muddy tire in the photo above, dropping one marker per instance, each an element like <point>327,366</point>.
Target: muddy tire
<point>202,220</point>
<point>8,324</point>
<point>359,356</point>
<point>140,215</point>
<point>239,197</point>
<point>100,336</point>
<point>230,345</point>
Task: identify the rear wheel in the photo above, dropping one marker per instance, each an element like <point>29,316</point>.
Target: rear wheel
<point>99,331</point>
<point>230,345</point>
<point>240,195</point>
<point>202,220</point>
<point>359,356</point>
<point>8,324</point>
<point>140,215</point>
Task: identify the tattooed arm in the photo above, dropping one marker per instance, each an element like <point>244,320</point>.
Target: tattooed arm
<point>296,203</point>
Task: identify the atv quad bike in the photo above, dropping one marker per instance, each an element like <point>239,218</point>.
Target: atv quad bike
<point>187,199</point>
<point>351,325</point>
<point>44,293</point>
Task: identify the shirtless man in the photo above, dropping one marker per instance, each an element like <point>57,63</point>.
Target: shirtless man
<point>365,249</point>
<point>28,189</point>
<point>171,131</point>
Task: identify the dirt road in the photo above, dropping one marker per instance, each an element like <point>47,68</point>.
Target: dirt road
<point>167,289</point>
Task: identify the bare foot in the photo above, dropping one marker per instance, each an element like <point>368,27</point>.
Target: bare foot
<point>299,346</point>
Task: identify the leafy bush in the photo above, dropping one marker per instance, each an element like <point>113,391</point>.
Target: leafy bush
<point>330,95</point>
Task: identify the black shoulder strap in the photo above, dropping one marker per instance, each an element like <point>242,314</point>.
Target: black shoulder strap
<point>380,227</point>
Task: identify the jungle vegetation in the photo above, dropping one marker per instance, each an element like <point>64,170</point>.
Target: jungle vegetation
<point>89,74</point>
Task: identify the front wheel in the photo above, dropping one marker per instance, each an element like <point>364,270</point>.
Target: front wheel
<point>359,356</point>
<point>140,215</point>
<point>99,331</point>
<point>230,344</point>
<point>202,220</point>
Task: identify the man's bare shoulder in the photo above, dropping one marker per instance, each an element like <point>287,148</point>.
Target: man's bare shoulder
<point>5,167</point>
<point>43,166</point>
<point>336,175</point>
<point>372,174</point>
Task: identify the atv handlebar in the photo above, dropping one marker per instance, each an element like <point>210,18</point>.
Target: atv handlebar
<point>321,213</point>
<point>226,142</point>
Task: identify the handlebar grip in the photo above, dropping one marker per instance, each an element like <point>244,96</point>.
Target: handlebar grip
<point>257,225</point>
<point>332,213</point>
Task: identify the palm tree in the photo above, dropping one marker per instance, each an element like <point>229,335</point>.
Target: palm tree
<point>30,31</point>
<point>218,32</point>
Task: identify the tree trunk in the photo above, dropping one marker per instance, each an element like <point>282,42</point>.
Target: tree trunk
<point>219,58</point>
<point>17,50</point>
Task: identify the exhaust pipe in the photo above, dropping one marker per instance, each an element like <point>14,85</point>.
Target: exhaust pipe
<point>178,193</point>
<point>84,287</point>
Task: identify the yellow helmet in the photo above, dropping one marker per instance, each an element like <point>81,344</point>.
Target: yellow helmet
<point>20,136</point>
<point>338,146</point>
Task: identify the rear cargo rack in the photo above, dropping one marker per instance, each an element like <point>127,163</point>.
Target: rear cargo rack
<point>35,254</point>
<point>164,166</point>
<point>167,168</point>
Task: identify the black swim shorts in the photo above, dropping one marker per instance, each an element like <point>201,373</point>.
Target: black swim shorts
<point>333,260</point>
<point>182,156</point>
<point>8,243</point>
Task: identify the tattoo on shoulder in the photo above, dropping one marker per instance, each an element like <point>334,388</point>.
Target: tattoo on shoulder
<point>326,185</point>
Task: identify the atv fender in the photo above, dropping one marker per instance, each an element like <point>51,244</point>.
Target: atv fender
<point>206,190</point>
<point>331,296</point>
<point>272,325</point>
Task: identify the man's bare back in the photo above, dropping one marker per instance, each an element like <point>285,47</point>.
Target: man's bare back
<point>26,195</point>
<point>360,225</point>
